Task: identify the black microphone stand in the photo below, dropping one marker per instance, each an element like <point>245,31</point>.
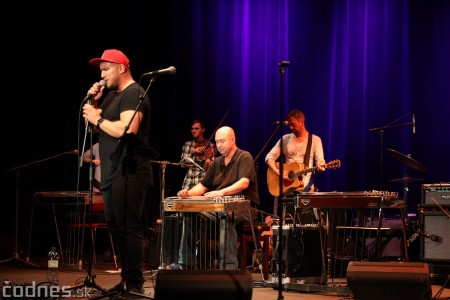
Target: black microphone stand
<point>163,165</point>
<point>89,281</point>
<point>16,257</point>
<point>282,65</point>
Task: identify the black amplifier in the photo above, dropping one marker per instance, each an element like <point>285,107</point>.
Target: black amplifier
<point>301,252</point>
<point>439,192</point>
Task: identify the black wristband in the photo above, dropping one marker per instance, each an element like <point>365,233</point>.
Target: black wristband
<point>99,121</point>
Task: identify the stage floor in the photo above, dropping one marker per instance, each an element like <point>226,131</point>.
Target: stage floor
<point>105,276</point>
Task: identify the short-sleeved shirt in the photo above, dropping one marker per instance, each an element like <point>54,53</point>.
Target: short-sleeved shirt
<point>114,103</point>
<point>241,165</point>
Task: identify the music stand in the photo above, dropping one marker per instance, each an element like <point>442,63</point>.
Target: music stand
<point>16,257</point>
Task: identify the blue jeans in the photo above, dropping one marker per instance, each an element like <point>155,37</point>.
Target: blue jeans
<point>196,227</point>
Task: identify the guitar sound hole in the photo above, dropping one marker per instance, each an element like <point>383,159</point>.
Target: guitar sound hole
<point>291,175</point>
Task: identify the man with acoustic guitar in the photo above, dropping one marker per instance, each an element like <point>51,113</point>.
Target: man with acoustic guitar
<point>295,146</point>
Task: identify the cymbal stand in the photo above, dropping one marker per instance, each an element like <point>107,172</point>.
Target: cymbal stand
<point>405,190</point>
<point>381,130</point>
<point>16,257</point>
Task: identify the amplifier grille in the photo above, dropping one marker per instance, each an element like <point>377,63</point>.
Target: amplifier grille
<point>435,245</point>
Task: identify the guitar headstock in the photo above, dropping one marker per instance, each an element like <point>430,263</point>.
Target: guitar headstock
<point>334,164</point>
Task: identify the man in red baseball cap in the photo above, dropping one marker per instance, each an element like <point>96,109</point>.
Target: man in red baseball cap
<point>126,170</point>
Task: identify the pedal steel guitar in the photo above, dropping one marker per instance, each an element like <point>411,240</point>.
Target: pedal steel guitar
<point>223,207</point>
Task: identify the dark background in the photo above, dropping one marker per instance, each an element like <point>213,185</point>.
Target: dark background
<point>353,66</point>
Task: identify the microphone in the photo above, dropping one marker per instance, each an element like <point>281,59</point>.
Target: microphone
<point>170,70</point>
<point>89,96</point>
<point>414,123</point>
<point>281,123</point>
<point>190,160</point>
<point>436,238</point>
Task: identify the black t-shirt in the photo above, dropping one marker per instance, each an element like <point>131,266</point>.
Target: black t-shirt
<point>219,175</point>
<point>113,104</point>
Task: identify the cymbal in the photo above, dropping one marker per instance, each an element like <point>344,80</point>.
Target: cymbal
<point>407,160</point>
<point>406,179</point>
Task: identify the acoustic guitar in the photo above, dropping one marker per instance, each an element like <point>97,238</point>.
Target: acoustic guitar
<point>295,172</point>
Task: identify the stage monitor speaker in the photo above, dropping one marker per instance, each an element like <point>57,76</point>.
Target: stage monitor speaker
<point>389,280</point>
<point>435,240</point>
<point>203,284</point>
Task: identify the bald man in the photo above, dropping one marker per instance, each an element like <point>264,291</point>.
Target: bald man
<point>232,173</point>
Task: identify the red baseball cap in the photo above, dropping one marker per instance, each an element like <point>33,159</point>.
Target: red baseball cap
<point>111,55</point>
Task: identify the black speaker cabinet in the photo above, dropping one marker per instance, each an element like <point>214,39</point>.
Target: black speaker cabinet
<point>435,240</point>
<point>286,236</point>
<point>301,252</point>
<point>203,284</point>
<point>153,247</point>
<point>440,192</point>
<point>389,280</point>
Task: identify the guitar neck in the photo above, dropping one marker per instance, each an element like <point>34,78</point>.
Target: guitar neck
<point>313,169</point>
<point>305,171</point>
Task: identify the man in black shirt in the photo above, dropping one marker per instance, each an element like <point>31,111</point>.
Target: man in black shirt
<point>232,173</point>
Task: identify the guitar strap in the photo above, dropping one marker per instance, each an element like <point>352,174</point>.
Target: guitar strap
<point>306,163</point>
<point>308,151</point>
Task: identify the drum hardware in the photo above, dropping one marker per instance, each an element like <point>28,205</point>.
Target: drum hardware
<point>403,158</point>
<point>406,179</point>
<point>407,160</point>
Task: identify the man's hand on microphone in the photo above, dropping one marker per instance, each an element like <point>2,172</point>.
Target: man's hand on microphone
<point>96,90</point>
